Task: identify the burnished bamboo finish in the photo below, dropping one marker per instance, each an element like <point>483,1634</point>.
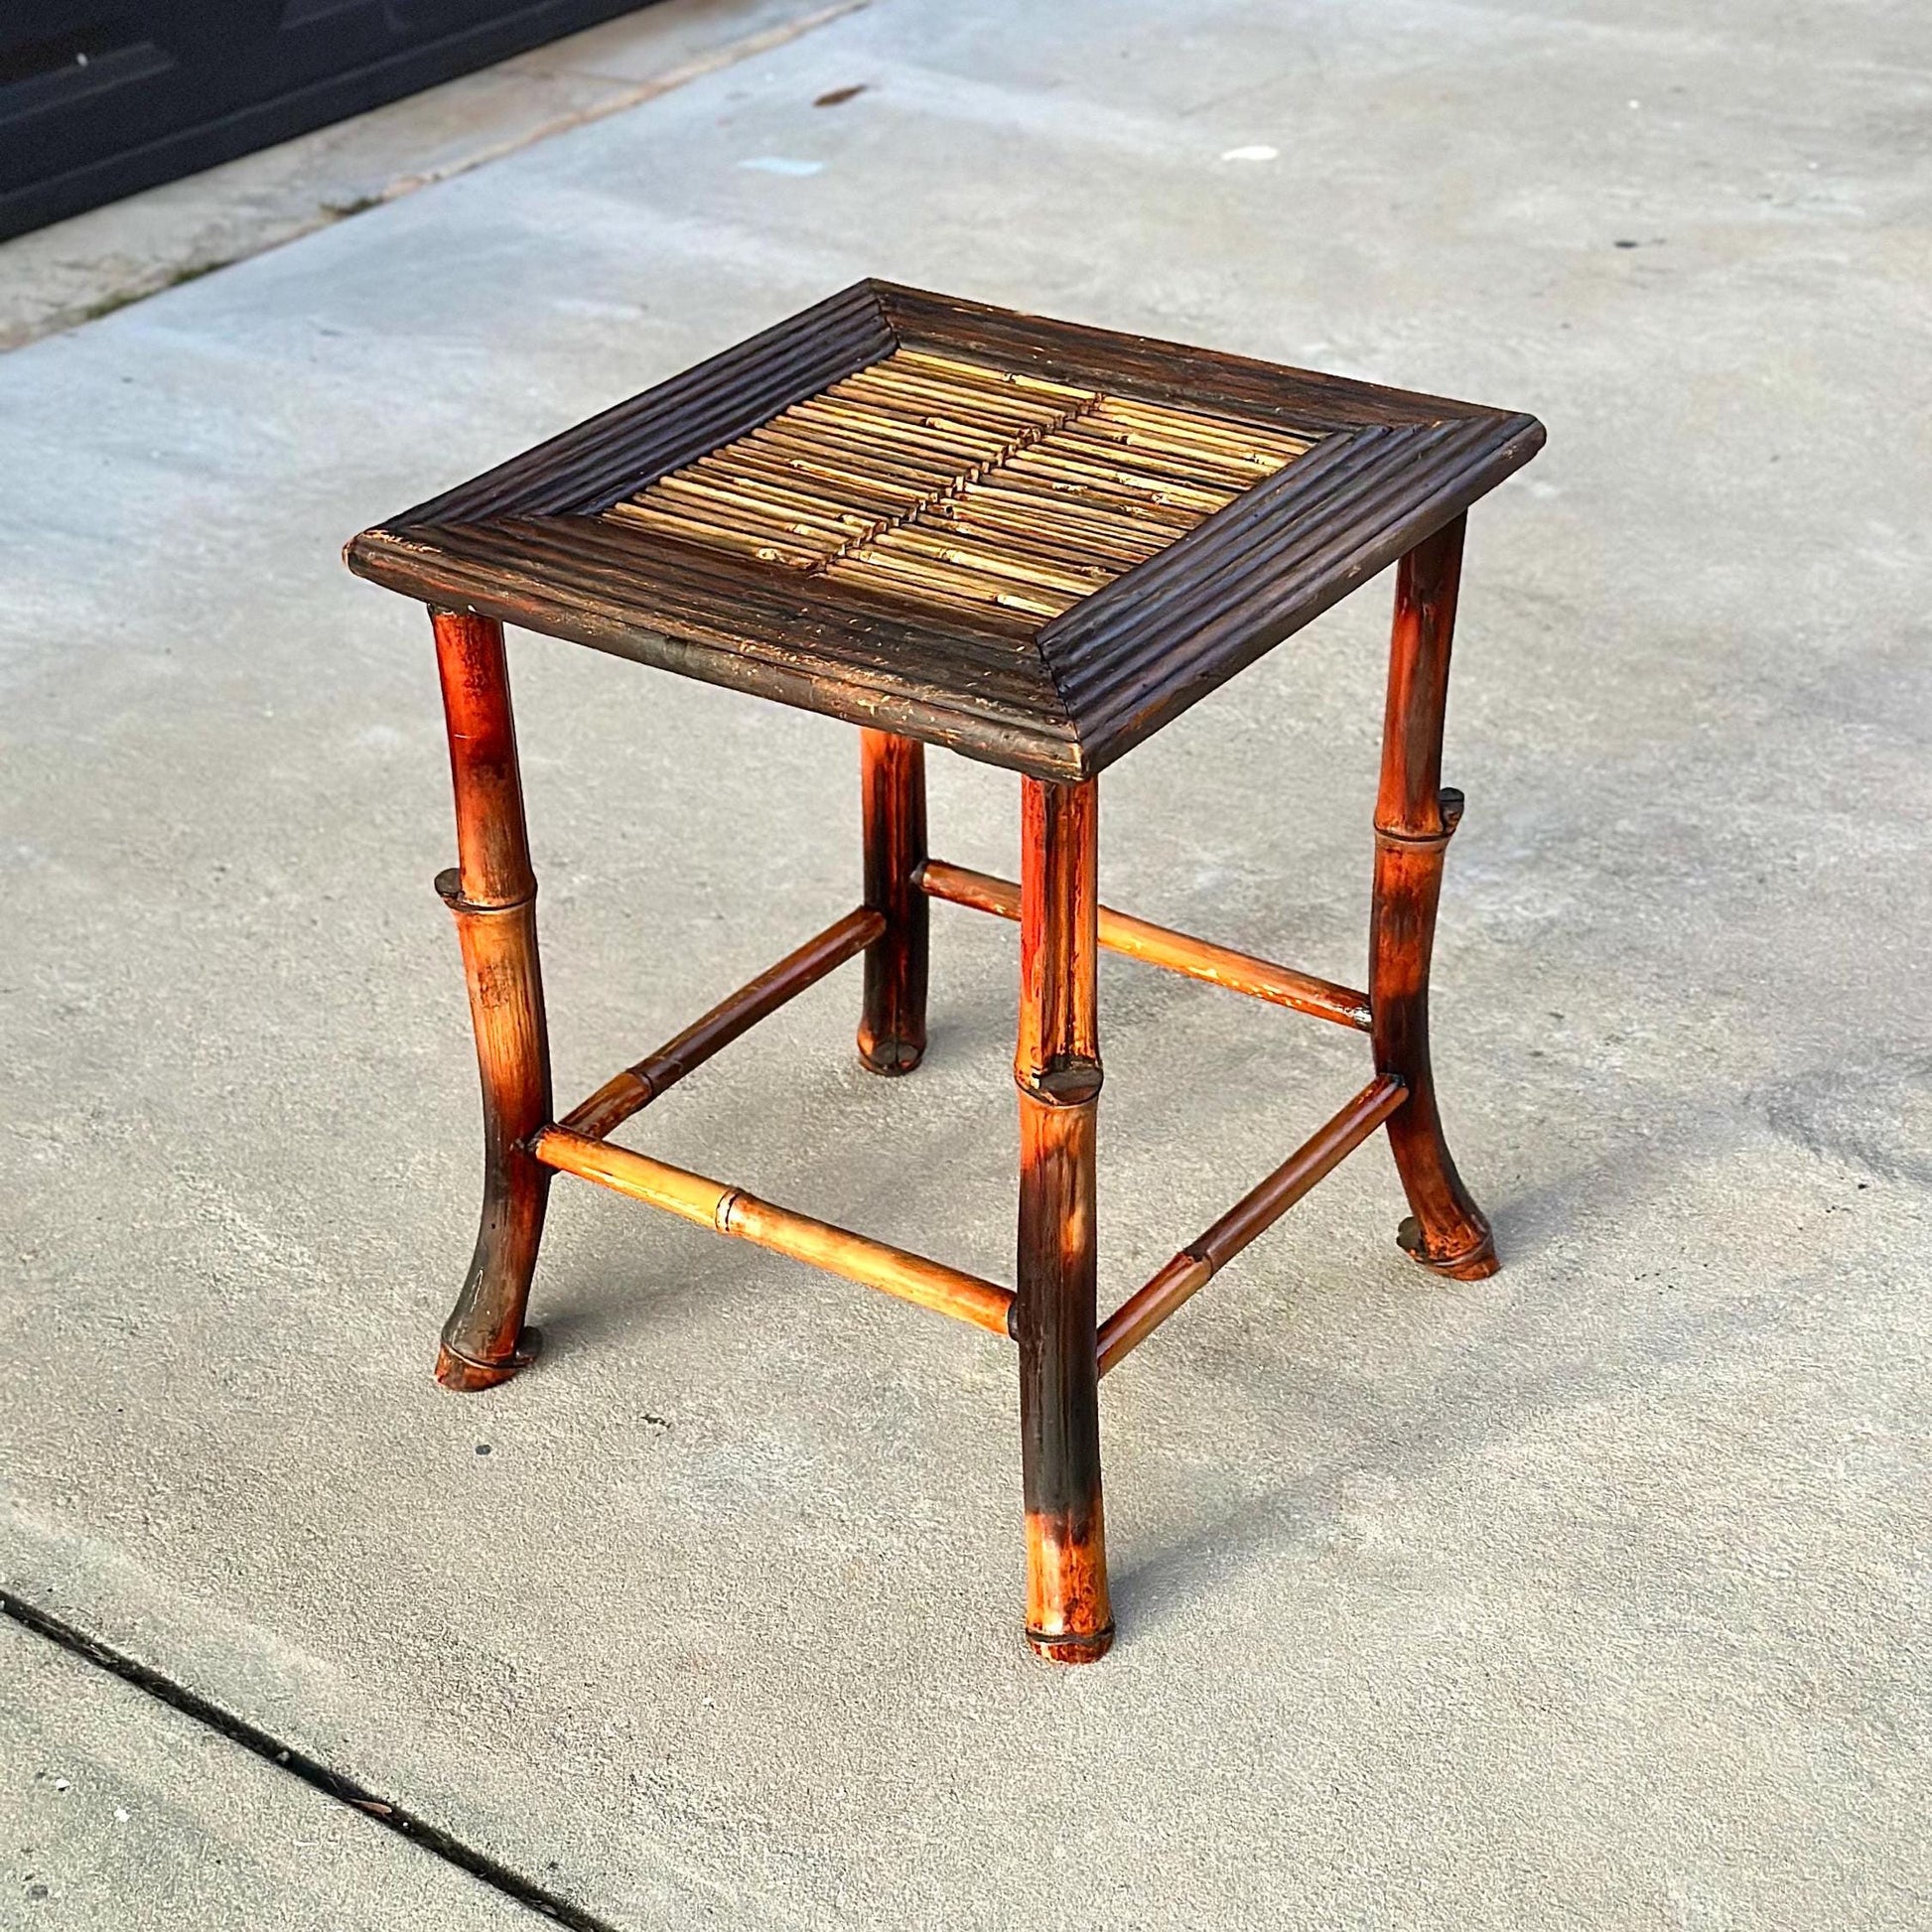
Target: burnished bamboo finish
<point>1415,818</point>
<point>492,893</point>
<point>1036,543</point>
<point>891,1023</point>
<point>625,1093</point>
<point>730,1210</point>
<point>1247,1220</point>
<point>1057,1067</point>
<point>1158,945</point>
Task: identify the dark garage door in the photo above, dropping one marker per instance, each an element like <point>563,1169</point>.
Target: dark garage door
<point>99,98</point>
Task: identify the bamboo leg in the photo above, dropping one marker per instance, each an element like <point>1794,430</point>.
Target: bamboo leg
<point>891,1028</point>
<point>492,893</point>
<point>1415,818</point>
<point>1057,1067</point>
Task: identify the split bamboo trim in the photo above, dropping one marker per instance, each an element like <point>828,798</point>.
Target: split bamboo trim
<point>1252,1216</point>
<point>729,1210</point>
<point>1160,945</point>
<point>641,1083</point>
<point>958,484</point>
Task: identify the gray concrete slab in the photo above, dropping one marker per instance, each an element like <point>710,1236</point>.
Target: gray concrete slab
<point>122,1813</point>
<point>1591,1595</point>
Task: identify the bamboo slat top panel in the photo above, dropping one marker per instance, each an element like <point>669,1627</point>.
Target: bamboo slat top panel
<point>959,485</point>
<point>1033,541</point>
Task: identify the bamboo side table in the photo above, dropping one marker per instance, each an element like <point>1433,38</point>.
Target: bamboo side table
<point>1033,543</point>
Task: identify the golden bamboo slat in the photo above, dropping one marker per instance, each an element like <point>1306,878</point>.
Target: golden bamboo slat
<point>961,486</point>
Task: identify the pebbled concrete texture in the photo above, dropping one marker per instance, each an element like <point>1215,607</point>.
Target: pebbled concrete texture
<point>122,1813</point>
<point>1589,1595</point>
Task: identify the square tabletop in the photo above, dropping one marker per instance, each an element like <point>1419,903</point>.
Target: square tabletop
<point>1032,541</point>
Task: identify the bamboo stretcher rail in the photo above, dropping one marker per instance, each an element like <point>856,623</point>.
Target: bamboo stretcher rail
<point>1253,1214</point>
<point>730,1210</point>
<point>639,1084</point>
<point>1158,945</point>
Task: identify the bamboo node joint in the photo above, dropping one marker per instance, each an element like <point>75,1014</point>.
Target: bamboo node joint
<point>1067,1082</point>
<point>1449,806</point>
<point>449,889</point>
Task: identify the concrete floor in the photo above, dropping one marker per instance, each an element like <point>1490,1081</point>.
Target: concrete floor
<point>1589,1595</point>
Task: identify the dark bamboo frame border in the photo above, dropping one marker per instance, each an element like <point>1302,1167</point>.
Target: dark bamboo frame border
<point>1064,1350</point>
<point>529,543</point>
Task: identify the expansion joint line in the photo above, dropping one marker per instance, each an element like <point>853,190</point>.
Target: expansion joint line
<point>299,1764</point>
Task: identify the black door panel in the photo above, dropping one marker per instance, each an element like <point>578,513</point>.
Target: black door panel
<point>100,97</point>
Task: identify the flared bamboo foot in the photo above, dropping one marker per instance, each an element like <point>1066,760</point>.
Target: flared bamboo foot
<point>1069,1612</point>
<point>1474,1264</point>
<point>1071,1650</point>
<point>466,1377</point>
<point>890,1057</point>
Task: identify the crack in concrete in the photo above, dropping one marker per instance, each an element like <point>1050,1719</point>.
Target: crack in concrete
<point>299,1764</point>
